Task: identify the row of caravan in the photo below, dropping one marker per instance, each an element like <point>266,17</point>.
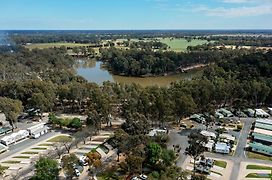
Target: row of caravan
<point>32,132</point>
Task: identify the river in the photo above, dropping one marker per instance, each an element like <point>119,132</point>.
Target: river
<point>94,72</point>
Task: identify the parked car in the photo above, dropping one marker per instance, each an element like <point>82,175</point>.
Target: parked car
<point>143,177</point>
<point>77,173</point>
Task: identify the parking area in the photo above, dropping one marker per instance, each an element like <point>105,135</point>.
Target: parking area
<point>249,171</point>
<point>18,161</point>
<point>214,168</point>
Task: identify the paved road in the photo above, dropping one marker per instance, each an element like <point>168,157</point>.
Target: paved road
<point>25,144</point>
<point>180,137</point>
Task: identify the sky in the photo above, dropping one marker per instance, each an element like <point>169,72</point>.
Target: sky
<point>134,14</point>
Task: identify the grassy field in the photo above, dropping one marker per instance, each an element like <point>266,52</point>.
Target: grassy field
<point>22,157</point>
<point>59,138</point>
<point>253,166</point>
<point>30,152</point>
<point>222,164</point>
<point>181,44</point>
<point>253,155</point>
<point>51,45</point>
<point>255,175</point>
<point>174,44</point>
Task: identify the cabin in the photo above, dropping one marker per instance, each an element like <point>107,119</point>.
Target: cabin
<point>261,148</point>
<point>222,148</point>
<point>261,113</point>
<point>225,112</point>
<point>198,118</point>
<point>14,137</point>
<point>37,130</point>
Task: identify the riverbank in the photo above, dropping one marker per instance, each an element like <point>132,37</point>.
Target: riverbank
<point>95,71</point>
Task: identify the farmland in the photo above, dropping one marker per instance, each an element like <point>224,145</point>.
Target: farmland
<point>181,44</point>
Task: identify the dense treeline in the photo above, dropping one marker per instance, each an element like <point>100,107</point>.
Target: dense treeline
<point>241,79</point>
<point>22,64</point>
<point>135,62</point>
<point>23,37</point>
<point>259,41</point>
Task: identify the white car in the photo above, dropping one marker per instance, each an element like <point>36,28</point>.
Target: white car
<point>143,177</point>
<point>77,172</point>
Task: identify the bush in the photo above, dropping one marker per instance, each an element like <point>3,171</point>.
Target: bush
<point>239,127</point>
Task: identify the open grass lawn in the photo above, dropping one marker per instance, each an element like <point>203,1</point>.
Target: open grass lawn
<point>22,157</point>
<point>222,164</point>
<point>181,44</point>
<point>30,152</point>
<point>60,138</point>
<point>39,148</point>
<point>254,155</point>
<point>11,162</point>
<point>51,45</point>
<point>217,173</point>
<point>253,166</point>
<point>45,144</point>
<point>256,175</point>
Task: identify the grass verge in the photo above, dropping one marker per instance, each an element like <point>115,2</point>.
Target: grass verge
<point>60,138</point>
<point>21,157</point>
<point>255,175</point>
<point>30,152</point>
<point>222,164</point>
<point>253,166</point>
<point>253,155</point>
<point>11,162</point>
<point>39,148</point>
<point>45,144</point>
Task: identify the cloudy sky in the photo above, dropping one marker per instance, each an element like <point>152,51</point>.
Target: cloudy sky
<point>135,14</point>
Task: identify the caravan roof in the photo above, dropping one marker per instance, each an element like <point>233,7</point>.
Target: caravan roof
<point>264,121</point>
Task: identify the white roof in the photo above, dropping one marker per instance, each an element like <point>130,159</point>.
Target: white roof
<point>263,131</point>
<point>264,121</point>
<point>227,136</point>
<point>209,145</point>
<point>269,108</point>
<point>222,146</point>
<point>261,112</point>
<point>155,131</point>
<point>208,134</point>
<point>36,127</point>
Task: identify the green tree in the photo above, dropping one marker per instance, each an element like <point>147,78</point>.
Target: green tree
<point>197,144</point>
<point>68,162</point>
<point>46,169</point>
<point>154,151</point>
<point>39,101</point>
<point>11,108</point>
<point>75,123</point>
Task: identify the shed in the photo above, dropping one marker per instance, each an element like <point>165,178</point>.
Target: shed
<point>222,148</point>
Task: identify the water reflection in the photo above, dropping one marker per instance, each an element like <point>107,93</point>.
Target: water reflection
<point>94,72</point>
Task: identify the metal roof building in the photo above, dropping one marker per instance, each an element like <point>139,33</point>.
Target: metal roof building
<point>260,148</point>
<point>262,137</point>
<point>264,121</point>
<point>263,126</point>
<point>262,131</point>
